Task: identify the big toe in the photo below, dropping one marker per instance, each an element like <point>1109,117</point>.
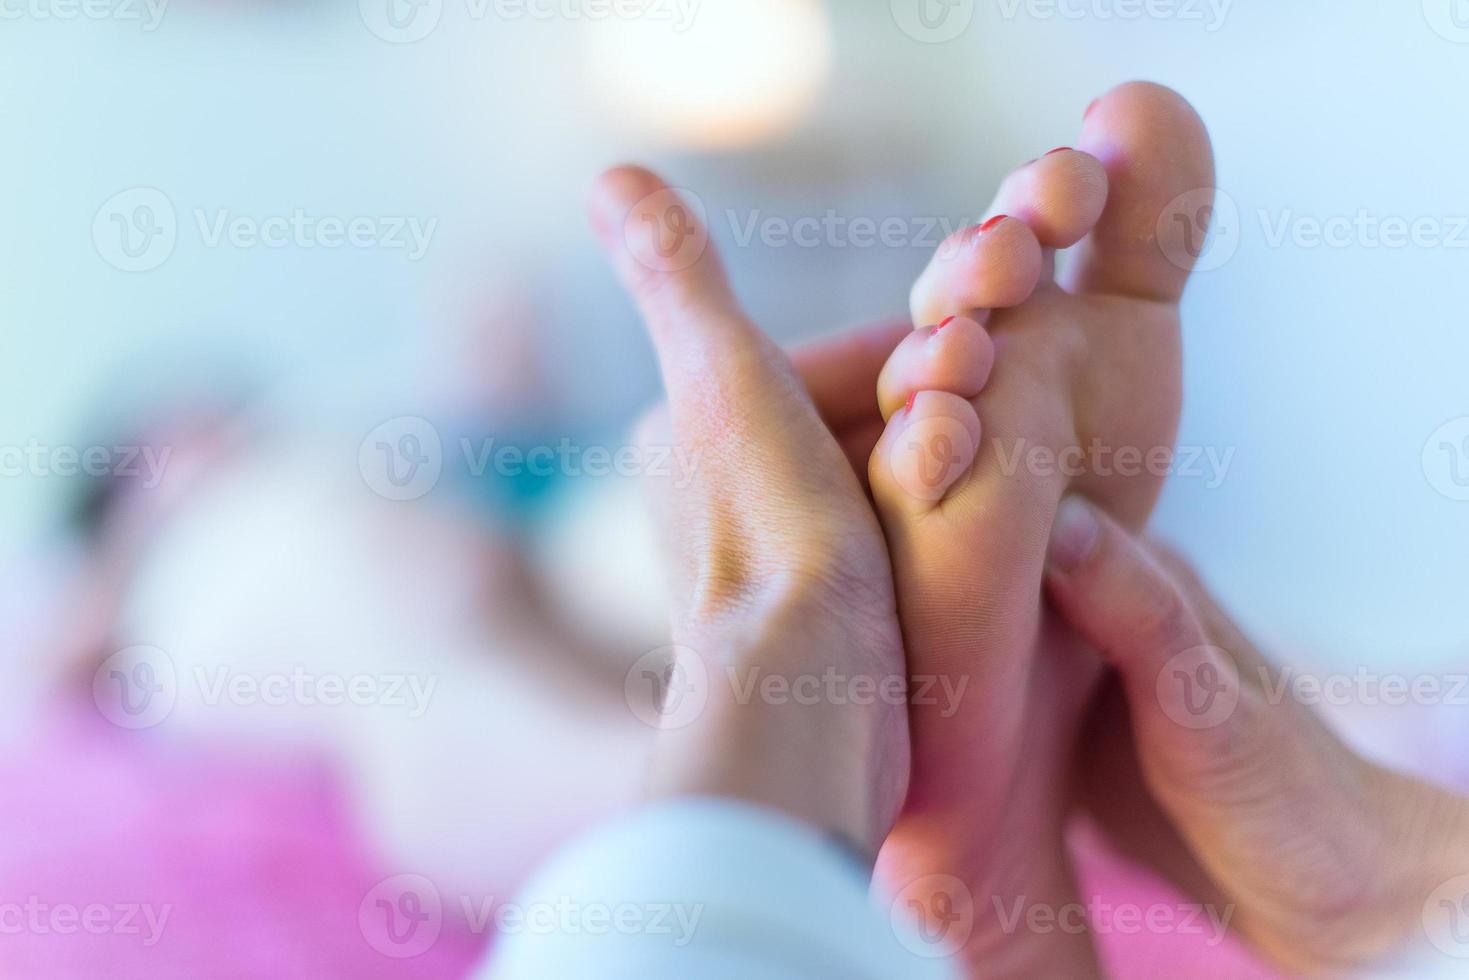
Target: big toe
<point>1160,180</point>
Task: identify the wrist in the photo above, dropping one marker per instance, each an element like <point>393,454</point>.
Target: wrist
<point>793,724</point>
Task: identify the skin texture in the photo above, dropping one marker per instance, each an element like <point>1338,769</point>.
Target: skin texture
<point>1327,858</point>
<point>781,569</point>
<point>1092,357</point>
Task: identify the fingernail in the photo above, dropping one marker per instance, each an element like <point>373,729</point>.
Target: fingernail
<point>1073,535</point>
<point>942,324</point>
<point>908,408</point>
<point>993,221</point>
<point>1059,149</point>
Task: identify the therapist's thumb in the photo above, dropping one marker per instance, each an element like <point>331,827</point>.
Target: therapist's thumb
<point>1192,706</point>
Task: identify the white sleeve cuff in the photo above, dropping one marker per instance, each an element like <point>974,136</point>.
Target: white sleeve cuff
<point>710,888</point>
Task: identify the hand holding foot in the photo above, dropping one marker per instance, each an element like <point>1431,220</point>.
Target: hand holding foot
<point>1328,857</point>
<point>782,569</point>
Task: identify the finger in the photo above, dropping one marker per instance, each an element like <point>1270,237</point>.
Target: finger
<point>660,249</point>
<point>857,441</point>
<point>841,372</point>
<point>1221,629</point>
<point>1184,693</point>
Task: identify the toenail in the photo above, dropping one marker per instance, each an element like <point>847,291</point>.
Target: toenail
<point>942,324</point>
<point>1073,535</point>
<point>1090,107</point>
<point>1059,149</point>
<point>908,408</point>
<point>993,221</point>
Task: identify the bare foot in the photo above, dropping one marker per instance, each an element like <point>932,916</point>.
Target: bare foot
<point>1076,382</point>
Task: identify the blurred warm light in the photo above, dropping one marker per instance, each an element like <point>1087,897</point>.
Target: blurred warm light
<point>734,72</point>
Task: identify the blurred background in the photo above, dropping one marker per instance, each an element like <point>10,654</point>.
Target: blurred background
<point>277,279</point>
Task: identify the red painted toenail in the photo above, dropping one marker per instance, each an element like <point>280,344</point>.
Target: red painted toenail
<point>1059,149</point>
<point>909,407</point>
<point>993,221</point>
<point>943,323</point>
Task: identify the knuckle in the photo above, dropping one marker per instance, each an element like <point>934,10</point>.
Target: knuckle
<point>735,572</point>
<point>739,570</point>
<point>1175,564</point>
<point>1158,614</point>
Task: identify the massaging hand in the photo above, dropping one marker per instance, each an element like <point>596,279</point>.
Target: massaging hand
<point>1328,858</point>
<point>782,571</point>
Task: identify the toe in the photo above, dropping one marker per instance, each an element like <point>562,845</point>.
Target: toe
<point>1060,196</point>
<point>954,356</point>
<point>989,266</point>
<point>1158,161</point>
<point>926,450</point>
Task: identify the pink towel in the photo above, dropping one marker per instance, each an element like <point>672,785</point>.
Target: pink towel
<point>122,856</point>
